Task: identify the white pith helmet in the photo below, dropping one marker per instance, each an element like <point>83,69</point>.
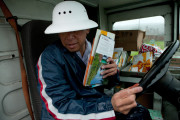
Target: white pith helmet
<point>69,16</point>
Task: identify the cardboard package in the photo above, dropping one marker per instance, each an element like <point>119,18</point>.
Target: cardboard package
<point>130,40</point>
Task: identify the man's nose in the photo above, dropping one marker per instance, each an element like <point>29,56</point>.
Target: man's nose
<point>70,35</point>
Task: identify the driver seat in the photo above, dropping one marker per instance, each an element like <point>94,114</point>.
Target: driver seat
<point>34,42</point>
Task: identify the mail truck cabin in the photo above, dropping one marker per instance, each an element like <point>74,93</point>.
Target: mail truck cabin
<point>141,28</point>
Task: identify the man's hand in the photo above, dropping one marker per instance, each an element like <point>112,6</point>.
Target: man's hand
<point>124,100</point>
<point>110,69</point>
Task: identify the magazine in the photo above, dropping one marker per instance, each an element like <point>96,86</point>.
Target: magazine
<point>123,59</point>
<point>102,48</point>
<point>117,55</point>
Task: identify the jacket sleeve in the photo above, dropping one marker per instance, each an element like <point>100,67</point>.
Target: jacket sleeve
<point>61,101</point>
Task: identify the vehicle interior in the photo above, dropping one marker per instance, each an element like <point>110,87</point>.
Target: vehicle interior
<point>158,19</point>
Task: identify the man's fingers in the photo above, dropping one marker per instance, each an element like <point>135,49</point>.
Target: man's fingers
<point>135,90</point>
<point>109,72</point>
<point>126,92</point>
<point>123,104</point>
<point>110,69</point>
<point>135,85</point>
<point>126,108</point>
<point>108,66</point>
<point>123,101</point>
<point>110,60</point>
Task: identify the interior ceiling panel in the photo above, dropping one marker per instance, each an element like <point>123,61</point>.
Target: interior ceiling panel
<point>114,3</point>
<point>108,4</point>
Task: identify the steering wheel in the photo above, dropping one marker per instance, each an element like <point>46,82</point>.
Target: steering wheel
<point>159,68</point>
<point>160,80</point>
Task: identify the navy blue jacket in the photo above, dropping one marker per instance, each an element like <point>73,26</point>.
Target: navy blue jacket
<point>60,76</point>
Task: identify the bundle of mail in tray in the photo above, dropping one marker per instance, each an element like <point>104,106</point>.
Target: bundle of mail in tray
<point>142,62</point>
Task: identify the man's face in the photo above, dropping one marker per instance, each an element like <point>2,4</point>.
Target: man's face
<point>74,41</point>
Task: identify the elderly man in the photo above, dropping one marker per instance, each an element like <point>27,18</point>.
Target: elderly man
<point>61,69</point>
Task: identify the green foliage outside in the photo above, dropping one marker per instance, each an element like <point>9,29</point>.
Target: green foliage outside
<point>133,53</point>
<point>158,43</point>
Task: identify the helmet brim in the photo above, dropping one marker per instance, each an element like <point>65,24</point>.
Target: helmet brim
<point>69,27</point>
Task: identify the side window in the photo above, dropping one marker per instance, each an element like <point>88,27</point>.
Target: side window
<point>178,52</point>
<point>153,26</point>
